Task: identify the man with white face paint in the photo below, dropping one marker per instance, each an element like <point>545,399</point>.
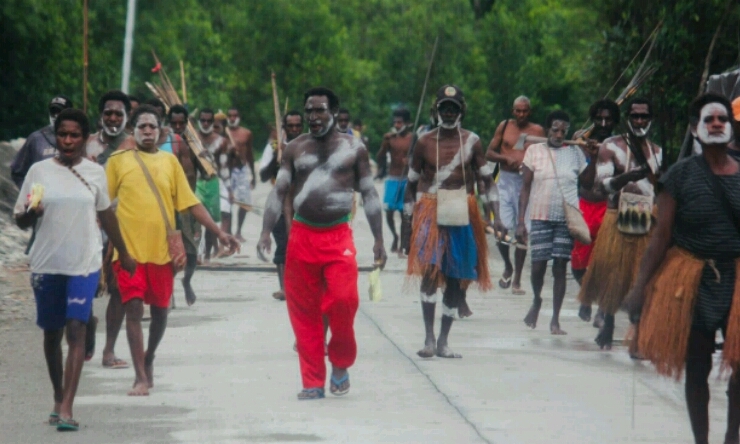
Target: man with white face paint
<point>445,251</point>
<point>692,266</point>
<point>208,189</point>
<point>150,185</point>
<point>628,167</point>
<point>242,138</point>
<point>114,108</point>
<point>323,169</point>
<point>40,145</point>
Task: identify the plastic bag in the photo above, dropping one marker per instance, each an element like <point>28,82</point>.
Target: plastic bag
<point>375,290</point>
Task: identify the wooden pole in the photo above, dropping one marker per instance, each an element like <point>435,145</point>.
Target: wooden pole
<point>276,106</point>
<point>182,82</point>
<point>84,56</point>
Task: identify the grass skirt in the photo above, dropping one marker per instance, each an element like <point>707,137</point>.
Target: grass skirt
<point>668,314</point>
<point>614,265</point>
<point>420,263</point>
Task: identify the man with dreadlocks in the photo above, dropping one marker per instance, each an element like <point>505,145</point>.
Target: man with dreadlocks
<point>604,115</point>
<point>448,240</point>
<point>627,169</point>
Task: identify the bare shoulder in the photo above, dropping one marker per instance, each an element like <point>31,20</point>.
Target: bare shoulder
<point>656,148</point>
<point>534,129</point>
<point>469,137</point>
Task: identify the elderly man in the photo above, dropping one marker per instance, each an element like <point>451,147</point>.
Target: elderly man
<point>150,186</point>
<point>508,149</point>
<point>324,168</point>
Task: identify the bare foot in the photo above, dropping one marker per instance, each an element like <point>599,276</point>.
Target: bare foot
<point>401,255</point>
<point>139,389</point>
<point>444,352</point>
<point>599,319</point>
<point>394,245</point>
<point>555,329</point>
<point>240,238</point>
<point>429,349</point>
<point>463,311</point>
<point>189,293</point>
<point>279,295</point>
<point>534,312</point>
<point>605,337</point>
<point>585,313</point>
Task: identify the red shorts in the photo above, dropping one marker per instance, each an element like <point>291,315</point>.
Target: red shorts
<point>151,282</point>
<point>593,213</point>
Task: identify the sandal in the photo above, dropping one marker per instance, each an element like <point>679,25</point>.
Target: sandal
<point>115,363</point>
<point>504,282</point>
<point>53,418</point>
<point>311,394</point>
<point>518,291</point>
<point>67,425</point>
<point>336,383</point>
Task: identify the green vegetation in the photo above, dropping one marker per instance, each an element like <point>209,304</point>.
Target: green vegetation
<point>374,53</point>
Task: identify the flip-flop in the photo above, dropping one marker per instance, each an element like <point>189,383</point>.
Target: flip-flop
<point>67,425</point>
<point>504,282</point>
<point>311,394</point>
<point>115,364</point>
<point>336,383</point>
<point>518,291</point>
<point>53,419</point>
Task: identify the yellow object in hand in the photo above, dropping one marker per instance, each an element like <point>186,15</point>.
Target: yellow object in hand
<point>376,291</point>
<point>37,193</point>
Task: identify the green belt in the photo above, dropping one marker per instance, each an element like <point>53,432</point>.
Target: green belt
<point>341,220</point>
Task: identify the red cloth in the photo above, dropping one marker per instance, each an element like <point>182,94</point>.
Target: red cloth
<point>151,282</point>
<point>321,279</point>
<point>593,213</point>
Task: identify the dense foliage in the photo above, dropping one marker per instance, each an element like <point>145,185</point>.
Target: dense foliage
<point>374,53</point>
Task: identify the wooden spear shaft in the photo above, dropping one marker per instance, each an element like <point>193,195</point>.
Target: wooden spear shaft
<point>276,106</point>
<point>182,83</point>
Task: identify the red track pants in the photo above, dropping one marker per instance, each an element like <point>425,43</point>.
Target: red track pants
<point>321,279</point>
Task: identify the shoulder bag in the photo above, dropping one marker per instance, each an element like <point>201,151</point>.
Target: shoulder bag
<point>452,205</point>
<point>175,244</point>
<point>573,217</point>
<point>635,211</point>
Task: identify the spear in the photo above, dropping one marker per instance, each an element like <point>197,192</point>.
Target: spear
<point>278,127</point>
<point>182,82</point>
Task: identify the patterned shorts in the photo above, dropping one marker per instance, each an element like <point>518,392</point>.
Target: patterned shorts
<point>549,239</point>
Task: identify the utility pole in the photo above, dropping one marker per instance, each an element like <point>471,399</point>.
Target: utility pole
<point>128,45</point>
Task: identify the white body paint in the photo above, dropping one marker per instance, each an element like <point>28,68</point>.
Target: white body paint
<point>147,119</point>
<point>408,209</point>
<point>321,177</point>
<point>702,130</point>
<point>447,311</point>
<point>429,299</point>
<point>485,170</point>
<point>413,175</point>
<point>466,153</point>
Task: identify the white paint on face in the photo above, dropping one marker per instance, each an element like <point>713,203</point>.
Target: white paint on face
<point>207,130</point>
<point>452,125</point>
<point>466,153</point>
<point>114,131</point>
<point>234,123</point>
<point>413,175</point>
<point>640,132</point>
<point>325,129</point>
<point>142,135</point>
<point>702,130</point>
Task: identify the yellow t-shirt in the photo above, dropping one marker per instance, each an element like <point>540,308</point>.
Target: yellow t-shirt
<point>138,212</point>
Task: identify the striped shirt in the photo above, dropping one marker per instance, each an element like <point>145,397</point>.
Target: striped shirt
<point>703,227</point>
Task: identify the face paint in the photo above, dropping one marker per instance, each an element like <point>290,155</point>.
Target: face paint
<point>709,112</point>
<point>453,125</point>
<point>235,123</point>
<point>325,129</point>
<point>639,132</point>
<point>207,130</point>
<point>146,132</point>
<point>114,131</point>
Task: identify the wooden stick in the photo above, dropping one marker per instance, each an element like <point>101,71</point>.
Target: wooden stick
<point>84,56</point>
<point>286,106</point>
<point>536,139</point>
<point>278,126</point>
<point>182,82</point>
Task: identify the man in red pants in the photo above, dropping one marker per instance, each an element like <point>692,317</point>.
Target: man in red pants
<point>324,168</point>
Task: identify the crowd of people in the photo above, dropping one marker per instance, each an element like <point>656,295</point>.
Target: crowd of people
<point>661,243</point>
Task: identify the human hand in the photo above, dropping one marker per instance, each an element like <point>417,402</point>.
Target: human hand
<point>637,174</point>
<point>234,245</point>
<point>379,252</point>
<point>633,305</point>
<point>592,148</point>
<point>265,243</point>
<point>128,263</point>
<point>521,233</point>
<point>499,228</point>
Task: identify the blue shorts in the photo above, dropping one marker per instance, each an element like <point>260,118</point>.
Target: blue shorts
<point>60,298</point>
<point>393,196</point>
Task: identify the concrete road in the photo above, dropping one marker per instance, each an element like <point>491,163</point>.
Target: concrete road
<point>226,372</point>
